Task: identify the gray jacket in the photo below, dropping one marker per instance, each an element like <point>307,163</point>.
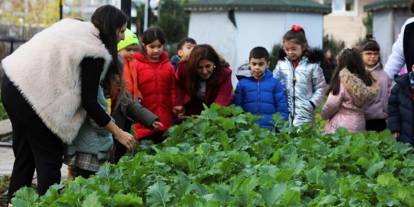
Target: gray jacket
<point>305,87</point>
<point>128,111</point>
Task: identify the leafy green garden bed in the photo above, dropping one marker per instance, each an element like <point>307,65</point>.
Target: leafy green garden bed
<point>222,159</point>
<point>3,114</point>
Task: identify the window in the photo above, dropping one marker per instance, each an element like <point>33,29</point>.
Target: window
<point>350,5</point>
<point>338,5</point>
<point>343,7</point>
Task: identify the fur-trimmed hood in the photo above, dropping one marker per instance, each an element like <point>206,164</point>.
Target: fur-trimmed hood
<point>46,70</point>
<point>360,93</point>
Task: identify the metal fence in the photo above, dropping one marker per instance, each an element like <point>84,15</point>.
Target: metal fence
<point>11,37</point>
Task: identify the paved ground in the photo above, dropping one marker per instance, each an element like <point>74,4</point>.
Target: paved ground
<point>6,152</point>
<point>5,128</point>
<point>7,159</point>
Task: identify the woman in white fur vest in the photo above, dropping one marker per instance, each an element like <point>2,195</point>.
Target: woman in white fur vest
<point>51,84</point>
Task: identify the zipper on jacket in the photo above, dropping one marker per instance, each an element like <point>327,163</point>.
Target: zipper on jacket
<point>293,93</point>
<point>258,96</point>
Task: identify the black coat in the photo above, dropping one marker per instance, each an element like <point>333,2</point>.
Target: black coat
<point>400,110</point>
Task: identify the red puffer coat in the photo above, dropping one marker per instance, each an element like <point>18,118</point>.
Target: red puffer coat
<point>156,82</point>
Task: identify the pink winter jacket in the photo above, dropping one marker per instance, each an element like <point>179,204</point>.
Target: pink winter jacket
<point>346,109</point>
<point>378,108</point>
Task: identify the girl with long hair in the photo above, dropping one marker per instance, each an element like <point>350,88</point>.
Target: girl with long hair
<point>351,90</point>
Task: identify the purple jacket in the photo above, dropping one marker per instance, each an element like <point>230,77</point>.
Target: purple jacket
<point>378,109</point>
<point>346,109</point>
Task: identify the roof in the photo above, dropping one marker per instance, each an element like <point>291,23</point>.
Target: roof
<point>386,4</point>
<point>309,6</point>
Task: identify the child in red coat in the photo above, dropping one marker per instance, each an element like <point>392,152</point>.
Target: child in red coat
<point>156,82</point>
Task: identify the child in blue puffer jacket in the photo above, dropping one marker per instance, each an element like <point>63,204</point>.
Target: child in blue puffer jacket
<point>261,94</point>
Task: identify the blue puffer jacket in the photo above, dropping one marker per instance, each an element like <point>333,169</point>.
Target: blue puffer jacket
<point>263,97</point>
<point>401,110</point>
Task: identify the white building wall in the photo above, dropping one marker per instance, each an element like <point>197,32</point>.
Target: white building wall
<point>311,23</point>
<point>383,32</point>
<point>257,29</point>
<point>386,28</point>
<point>400,16</point>
<point>253,29</point>
<point>215,29</point>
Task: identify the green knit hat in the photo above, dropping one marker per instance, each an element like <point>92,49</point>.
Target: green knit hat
<point>130,38</point>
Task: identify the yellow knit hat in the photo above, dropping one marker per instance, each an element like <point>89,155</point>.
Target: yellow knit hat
<point>130,38</point>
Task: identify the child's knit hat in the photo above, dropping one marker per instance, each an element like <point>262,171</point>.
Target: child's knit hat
<point>130,38</point>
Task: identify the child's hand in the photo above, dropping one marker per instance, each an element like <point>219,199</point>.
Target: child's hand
<point>157,124</point>
<point>396,135</point>
<point>178,111</point>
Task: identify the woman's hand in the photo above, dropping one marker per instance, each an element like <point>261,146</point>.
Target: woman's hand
<point>396,135</point>
<point>125,139</point>
<point>122,136</point>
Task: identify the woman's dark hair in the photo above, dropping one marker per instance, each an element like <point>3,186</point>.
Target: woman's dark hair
<point>204,52</point>
<point>351,60</point>
<point>369,44</point>
<point>411,6</point>
<point>152,34</point>
<point>108,19</point>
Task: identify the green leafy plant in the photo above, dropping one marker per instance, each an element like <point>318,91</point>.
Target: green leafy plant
<point>222,158</point>
<point>3,114</point>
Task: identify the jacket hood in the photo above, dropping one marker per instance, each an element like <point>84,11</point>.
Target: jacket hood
<point>243,71</point>
<point>378,66</point>
<point>360,93</point>
<point>267,74</point>
<point>142,58</point>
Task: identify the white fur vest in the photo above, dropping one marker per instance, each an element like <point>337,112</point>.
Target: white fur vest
<point>46,70</point>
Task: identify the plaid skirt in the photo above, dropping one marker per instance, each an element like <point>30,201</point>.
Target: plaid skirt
<point>84,161</point>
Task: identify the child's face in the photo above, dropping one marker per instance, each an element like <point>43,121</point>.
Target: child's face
<point>185,50</point>
<point>258,66</point>
<point>293,50</point>
<point>205,69</point>
<point>328,54</point>
<point>370,58</point>
<point>154,50</point>
<point>128,51</point>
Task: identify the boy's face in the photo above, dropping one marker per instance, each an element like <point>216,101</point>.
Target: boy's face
<point>128,51</point>
<point>258,66</point>
<point>370,57</point>
<point>185,50</point>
